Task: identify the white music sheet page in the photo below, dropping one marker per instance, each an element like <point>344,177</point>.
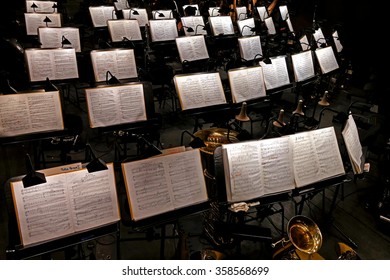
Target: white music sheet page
<point>263,13</point>
<point>326,59</point>
<point>35,20</point>
<point>250,47</point>
<point>243,171</point>
<point>162,14</point>
<point>303,66</point>
<point>142,16</point>
<point>213,11</point>
<point>269,23</point>
<point>316,156</point>
<point>114,105</point>
<point>245,26</point>
<point>51,37</point>
<point>221,25</point>
<point>40,6</point>
<point>304,43</point>
<point>192,48</point>
<point>124,28</point>
<point>100,15</point>
<point>246,83</point>
<point>319,37</point>
<point>199,90</point>
<point>120,62</point>
<point>277,165</point>
<point>351,138</point>
<point>30,113</point>
<point>276,73</point>
<point>196,23</point>
<point>337,43</point>
<point>121,4</point>
<point>161,184</point>
<point>163,30</point>
<point>241,13</point>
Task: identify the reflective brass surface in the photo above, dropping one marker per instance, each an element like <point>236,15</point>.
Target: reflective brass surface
<point>304,234</point>
<point>214,137</point>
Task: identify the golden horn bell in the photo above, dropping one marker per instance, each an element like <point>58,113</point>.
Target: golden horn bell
<point>299,108</point>
<point>324,101</point>
<point>280,121</point>
<point>243,117</point>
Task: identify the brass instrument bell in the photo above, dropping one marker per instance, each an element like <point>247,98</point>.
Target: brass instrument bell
<point>299,108</point>
<point>243,117</point>
<point>280,122</point>
<point>324,101</point>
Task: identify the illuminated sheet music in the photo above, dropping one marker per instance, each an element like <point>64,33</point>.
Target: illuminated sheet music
<point>351,138</point>
<point>163,30</point>
<point>162,14</point>
<point>164,183</point>
<point>263,12</point>
<point>276,73</point>
<point>27,113</point>
<point>245,26</point>
<point>100,15</point>
<point>51,37</point>
<point>303,66</point>
<point>35,20</point>
<point>120,62</point>
<point>246,83</point>
<point>326,59</point>
<point>142,16</point>
<point>192,48</point>
<point>241,13</point>
<point>196,23</point>
<point>114,105</point>
<point>124,28</point>
<point>55,64</point>
<point>269,23</point>
<point>250,48</point>
<point>199,90</point>
<point>66,204</point>
<point>221,25</point>
<point>319,37</point>
<point>336,40</point>
<point>41,6</point>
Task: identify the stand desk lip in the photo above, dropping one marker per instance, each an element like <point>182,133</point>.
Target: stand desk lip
<point>30,137</point>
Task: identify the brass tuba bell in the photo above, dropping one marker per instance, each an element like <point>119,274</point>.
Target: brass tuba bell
<point>243,117</point>
<point>280,122</point>
<point>324,101</point>
<point>299,108</point>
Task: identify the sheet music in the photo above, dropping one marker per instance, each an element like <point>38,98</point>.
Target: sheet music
<point>250,47</point>
<point>51,37</point>
<point>283,12</point>
<point>45,211</point>
<point>214,11</point>
<point>121,28</point>
<point>35,20</point>
<point>100,15</point>
<point>221,25</point>
<point>30,113</point>
<point>326,59</point>
<point>142,16</point>
<point>337,43</point>
<point>245,26</point>
<point>121,4</point>
<point>246,83</point>
<point>199,90</point>
<point>120,62</point>
<point>42,6</point>
<point>196,23</point>
<point>303,66</point>
<point>241,13</point>
<point>304,43</point>
<point>269,23</point>
<point>319,37</point>
<point>192,48</point>
<point>316,156</point>
<point>55,64</point>
<point>275,74</point>
<point>161,184</point>
<point>114,105</point>
<point>263,12</point>
<point>351,138</point>
<point>163,30</point>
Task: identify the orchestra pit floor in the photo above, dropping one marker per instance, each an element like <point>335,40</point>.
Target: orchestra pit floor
<point>352,220</point>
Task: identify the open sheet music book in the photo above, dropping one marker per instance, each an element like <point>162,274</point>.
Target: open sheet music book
<point>196,23</point>
<point>162,14</point>
<point>319,37</point>
<point>25,113</point>
<point>326,59</point>
<point>263,167</point>
<point>246,83</point>
<point>35,20</point>
<point>122,29</point>
<point>164,183</point>
<point>192,48</point>
<point>55,64</point>
<point>41,6</point>
<point>51,37</point>
<point>250,47</point>
<point>337,43</point>
<point>245,26</point>
<point>66,204</point>
<point>163,30</point>
<point>303,65</point>
<point>214,11</point>
<point>120,62</point>
<point>269,23</point>
<point>114,105</point>
<point>221,25</point>
<point>351,138</point>
<point>121,4</point>
<point>199,90</point>
<point>142,16</point>
<point>100,15</point>
<point>276,73</point>
<point>304,42</point>
<point>241,13</point>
